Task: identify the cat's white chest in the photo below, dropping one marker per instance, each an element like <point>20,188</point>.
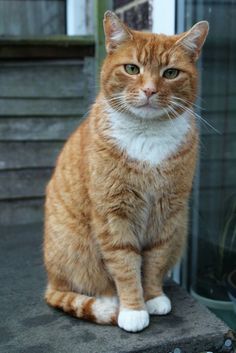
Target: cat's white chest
<point>150,141</point>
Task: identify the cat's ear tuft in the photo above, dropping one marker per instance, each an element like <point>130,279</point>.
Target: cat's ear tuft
<point>194,39</point>
<point>116,32</point>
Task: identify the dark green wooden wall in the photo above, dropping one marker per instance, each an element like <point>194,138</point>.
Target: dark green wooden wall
<point>41,103</point>
<point>32,17</point>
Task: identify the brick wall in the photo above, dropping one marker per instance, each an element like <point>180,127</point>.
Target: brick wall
<point>136,13</point>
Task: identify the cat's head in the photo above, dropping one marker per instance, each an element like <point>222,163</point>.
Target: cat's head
<point>149,75</point>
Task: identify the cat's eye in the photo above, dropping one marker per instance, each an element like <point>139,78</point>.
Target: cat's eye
<point>171,73</point>
<point>132,69</point>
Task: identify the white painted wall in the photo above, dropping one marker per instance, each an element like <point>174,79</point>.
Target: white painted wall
<point>163,21</point>
<point>163,16</point>
<point>79,17</point>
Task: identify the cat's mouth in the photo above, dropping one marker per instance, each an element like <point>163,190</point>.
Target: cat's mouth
<point>147,110</point>
<point>147,105</point>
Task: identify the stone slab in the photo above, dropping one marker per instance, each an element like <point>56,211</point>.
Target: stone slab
<point>28,325</point>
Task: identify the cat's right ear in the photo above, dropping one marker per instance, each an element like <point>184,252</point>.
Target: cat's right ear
<point>116,32</point>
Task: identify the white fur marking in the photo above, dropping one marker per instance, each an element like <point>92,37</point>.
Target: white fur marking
<point>104,308</point>
<point>133,320</point>
<point>119,35</point>
<point>148,140</point>
<point>79,301</point>
<point>190,40</point>
<point>159,306</point>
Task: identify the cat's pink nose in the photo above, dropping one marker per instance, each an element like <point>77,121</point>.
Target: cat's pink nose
<point>149,91</point>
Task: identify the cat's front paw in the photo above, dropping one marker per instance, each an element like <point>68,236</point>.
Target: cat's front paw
<point>160,305</point>
<point>133,320</point>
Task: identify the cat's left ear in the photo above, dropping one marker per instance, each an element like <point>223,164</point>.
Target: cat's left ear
<point>116,32</point>
<point>194,39</point>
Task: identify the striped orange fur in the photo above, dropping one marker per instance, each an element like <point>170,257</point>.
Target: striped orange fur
<point>117,203</point>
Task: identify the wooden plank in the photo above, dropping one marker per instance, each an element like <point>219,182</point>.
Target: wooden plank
<point>99,9</point>
<point>43,79</point>
<point>37,128</point>
<point>17,155</point>
<point>39,107</point>
<point>21,211</point>
<point>24,183</point>
<point>53,50</point>
<point>89,15</point>
<point>30,18</point>
<point>52,40</point>
<point>90,84</point>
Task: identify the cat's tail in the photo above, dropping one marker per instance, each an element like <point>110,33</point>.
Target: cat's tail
<point>102,310</point>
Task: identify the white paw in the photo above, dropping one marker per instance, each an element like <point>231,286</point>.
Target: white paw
<point>159,305</point>
<point>133,320</point>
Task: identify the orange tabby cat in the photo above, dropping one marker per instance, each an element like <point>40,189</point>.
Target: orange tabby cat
<point>117,203</point>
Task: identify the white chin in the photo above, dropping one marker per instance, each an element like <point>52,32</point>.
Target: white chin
<point>147,112</point>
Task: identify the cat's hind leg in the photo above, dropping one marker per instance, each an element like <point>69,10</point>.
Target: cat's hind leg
<point>102,310</point>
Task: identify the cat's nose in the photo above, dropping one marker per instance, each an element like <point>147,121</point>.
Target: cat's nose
<point>149,91</point>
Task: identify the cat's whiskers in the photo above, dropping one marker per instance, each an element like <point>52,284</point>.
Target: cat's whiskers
<point>167,113</point>
<point>174,113</point>
<point>132,100</point>
<point>188,102</point>
<point>184,108</point>
<point>115,97</point>
<point>193,113</point>
<point>118,105</point>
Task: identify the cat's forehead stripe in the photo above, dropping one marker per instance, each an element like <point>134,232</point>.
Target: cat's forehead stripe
<point>154,51</point>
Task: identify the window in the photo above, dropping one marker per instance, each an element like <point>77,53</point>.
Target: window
<point>28,18</point>
<point>213,231</point>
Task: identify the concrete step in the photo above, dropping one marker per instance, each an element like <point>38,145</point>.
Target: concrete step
<point>28,325</point>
